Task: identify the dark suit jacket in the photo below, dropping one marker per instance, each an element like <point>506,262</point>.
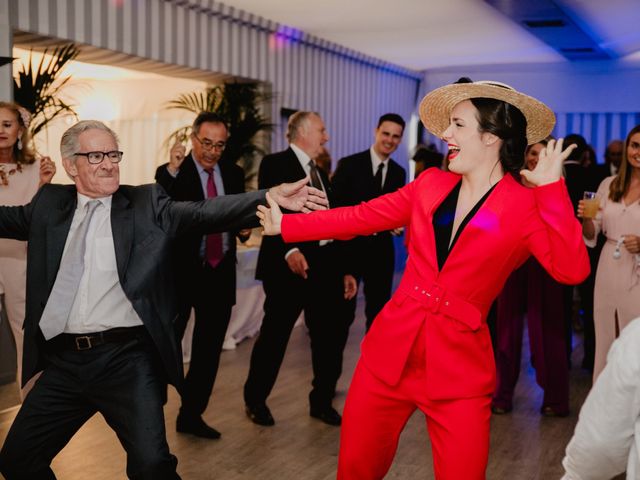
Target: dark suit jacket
<point>275,169</point>
<point>145,222</point>
<point>187,186</point>
<point>353,183</point>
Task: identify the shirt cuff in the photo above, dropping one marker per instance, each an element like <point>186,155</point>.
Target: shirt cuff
<point>286,255</point>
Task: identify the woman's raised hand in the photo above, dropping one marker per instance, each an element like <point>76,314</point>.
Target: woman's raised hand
<point>550,162</point>
<point>47,170</point>
<point>270,217</point>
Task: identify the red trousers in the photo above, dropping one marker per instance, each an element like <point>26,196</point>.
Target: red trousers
<point>375,414</point>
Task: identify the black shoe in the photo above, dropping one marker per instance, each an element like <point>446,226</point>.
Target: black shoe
<point>500,410</point>
<point>554,412</point>
<point>260,414</point>
<point>196,426</point>
<point>328,415</point>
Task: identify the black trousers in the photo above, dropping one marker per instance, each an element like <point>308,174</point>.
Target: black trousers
<point>122,381</point>
<point>212,295</point>
<point>375,270</point>
<point>287,295</point>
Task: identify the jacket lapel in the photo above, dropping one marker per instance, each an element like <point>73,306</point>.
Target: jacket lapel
<point>122,227</point>
<point>294,169</point>
<point>438,191</point>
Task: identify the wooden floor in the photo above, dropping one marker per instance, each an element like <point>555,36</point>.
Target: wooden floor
<point>524,445</point>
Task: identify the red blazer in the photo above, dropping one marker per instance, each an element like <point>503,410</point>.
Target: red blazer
<point>513,223</point>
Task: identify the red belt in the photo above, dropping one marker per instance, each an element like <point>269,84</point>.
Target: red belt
<point>437,299</point>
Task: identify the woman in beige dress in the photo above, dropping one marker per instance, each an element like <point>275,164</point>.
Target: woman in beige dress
<point>617,290</point>
<point>20,177</point>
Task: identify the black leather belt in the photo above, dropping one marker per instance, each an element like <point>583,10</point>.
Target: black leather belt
<point>87,341</point>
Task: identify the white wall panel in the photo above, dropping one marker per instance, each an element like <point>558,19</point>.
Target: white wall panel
<point>349,89</point>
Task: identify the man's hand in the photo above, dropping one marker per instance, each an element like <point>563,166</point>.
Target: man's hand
<point>396,232</point>
<point>47,170</point>
<point>298,264</point>
<point>270,217</point>
<point>176,157</point>
<point>350,287</point>
<point>299,197</point>
<point>550,162</point>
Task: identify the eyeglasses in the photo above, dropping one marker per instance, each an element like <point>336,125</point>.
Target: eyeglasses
<point>209,145</point>
<point>97,157</point>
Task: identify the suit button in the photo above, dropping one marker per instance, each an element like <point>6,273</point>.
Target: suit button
<point>415,288</point>
<point>423,292</point>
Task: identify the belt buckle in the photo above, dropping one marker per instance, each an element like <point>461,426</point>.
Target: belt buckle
<point>83,343</point>
<point>434,296</point>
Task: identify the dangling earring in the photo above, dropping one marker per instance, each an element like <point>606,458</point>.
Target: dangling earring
<point>19,144</point>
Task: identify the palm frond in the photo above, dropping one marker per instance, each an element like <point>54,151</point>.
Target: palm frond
<point>38,89</point>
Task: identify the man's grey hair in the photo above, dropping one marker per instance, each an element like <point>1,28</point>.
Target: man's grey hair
<point>69,142</point>
<point>297,122</point>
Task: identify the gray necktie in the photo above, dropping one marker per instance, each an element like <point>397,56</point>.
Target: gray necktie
<point>56,312</point>
<point>315,177</point>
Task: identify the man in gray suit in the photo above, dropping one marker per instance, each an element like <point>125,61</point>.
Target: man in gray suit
<point>101,303</point>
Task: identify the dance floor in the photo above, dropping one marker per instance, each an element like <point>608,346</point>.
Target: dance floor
<point>524,445</point>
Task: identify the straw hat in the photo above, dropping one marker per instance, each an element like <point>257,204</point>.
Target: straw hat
<point>436,107</point>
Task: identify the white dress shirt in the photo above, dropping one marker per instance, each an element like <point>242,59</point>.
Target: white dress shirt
<point>100,303</point>
<point>607,437</point>
<point>217,180</point>
<point>304,160</point>
<point>376,160</point>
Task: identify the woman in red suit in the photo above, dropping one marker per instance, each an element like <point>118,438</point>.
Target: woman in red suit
<point>429,348</point>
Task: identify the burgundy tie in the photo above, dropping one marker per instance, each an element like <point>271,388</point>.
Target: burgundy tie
<point>213,249</point>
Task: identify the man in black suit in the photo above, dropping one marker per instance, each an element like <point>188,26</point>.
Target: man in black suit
<point>101,303</point>
<point>296,277</point>
<point>203,267</point>
<point>359,178</point>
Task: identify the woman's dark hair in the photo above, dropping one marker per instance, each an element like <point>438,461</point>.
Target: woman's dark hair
<point>507,123</point>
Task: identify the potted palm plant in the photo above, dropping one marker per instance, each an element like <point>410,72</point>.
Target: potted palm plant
<point>238,104</point>
<point>38,90</point>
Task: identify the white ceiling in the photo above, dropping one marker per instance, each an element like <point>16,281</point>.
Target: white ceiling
<point>427,34</point>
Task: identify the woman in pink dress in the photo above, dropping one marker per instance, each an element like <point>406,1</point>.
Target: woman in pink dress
<point>617,290</point>
<point>20,177</point>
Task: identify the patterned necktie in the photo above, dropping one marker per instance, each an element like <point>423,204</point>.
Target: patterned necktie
<point>315,177</point>
<point>213,247</point>
<point>56,311</point>
<point>377,178</point>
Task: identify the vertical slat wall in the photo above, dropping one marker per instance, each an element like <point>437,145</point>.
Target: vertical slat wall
<point>349,89</point>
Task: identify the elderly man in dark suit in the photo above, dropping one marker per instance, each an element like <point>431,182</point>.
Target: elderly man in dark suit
<point>359,178</point>
<point>205,265</point>
<point>304,276</point>
<point>101,304</point>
